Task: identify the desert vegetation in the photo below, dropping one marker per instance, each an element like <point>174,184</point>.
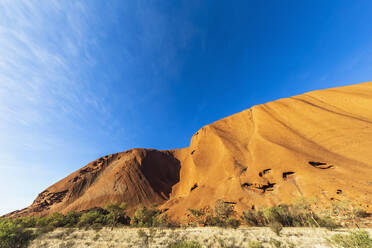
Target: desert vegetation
<point>299,214</point>
<point>287,216</point>
<point>355,239</point>
<point>13,235</point>
<point>186,244</point>
<point>18,232</point>
<point>222,215</point>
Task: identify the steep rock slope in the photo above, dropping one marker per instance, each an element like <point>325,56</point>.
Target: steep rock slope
<point>137,176</point>
<point>318,144</point>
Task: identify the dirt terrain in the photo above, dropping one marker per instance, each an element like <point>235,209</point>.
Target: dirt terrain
<point>317,144</point>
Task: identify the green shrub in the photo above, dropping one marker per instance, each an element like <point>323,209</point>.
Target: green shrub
<point>146,217</point>
<point>116,214</point>
<point>288,216</point>
<point>57,220</point>
<point>41,221</point>
<point>196,212</point>
<point>14,235</point>
<point>253,218</point>
<point>211,220</point>
<point>198,216</point>
<point>356,239</point>
<point>292,216</point>
<point>28,221</point>
<point>185,244</point>
<point>223,210</point>
<point>234,223</point>
<point>72,218</point>
<point>276,215</point>
<point>328,223</point>
<point>93,219</point>
<point>54,220</point>
<point>162,220</point>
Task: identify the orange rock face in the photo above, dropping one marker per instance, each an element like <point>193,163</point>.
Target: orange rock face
<point>318,144</point>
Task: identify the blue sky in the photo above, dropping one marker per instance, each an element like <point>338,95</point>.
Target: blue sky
<point>82,79</point>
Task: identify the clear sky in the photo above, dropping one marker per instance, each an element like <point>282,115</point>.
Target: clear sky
<point>82,79</point>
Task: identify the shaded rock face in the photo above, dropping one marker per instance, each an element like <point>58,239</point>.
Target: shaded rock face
<point>313,145</point>
<point>137,176</point>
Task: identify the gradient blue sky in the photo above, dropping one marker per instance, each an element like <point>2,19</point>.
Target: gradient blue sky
<point>82,79</point>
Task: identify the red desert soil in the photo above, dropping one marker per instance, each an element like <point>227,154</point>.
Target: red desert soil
<point>318,144</point>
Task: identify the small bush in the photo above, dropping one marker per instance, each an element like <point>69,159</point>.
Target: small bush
<point>72,218</point>
<point>41,221</point>
<point>93,219</point>
<point>197,216</point>
<point>211,220</point>
<point>57,220</point>
<point>14,235</point>
<point>223,210</point>
<point>288,216</point>
<point>357,239</point>
<point>360,213</point>
<point>291,216</point>
<point>328,223</point>
<point>196,212</point>
<point>221,217</point>
<point>234,223</point>
<point>185,244</point>
<point>117,214</point>
<point>147,217</point>
<point>253,218</point>
<point>162,220</point>
<point>26,222</point>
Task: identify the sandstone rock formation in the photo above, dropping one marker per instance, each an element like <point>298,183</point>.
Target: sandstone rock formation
<point>318,144</point>
<point>137,176</point>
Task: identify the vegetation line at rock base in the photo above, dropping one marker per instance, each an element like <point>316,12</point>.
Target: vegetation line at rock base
<point>18,232</point>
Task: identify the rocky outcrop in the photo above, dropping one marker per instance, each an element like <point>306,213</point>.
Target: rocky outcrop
<point>137,176</point>
<point>313,145</point>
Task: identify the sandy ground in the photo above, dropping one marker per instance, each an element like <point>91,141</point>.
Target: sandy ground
<point>207,236</point>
